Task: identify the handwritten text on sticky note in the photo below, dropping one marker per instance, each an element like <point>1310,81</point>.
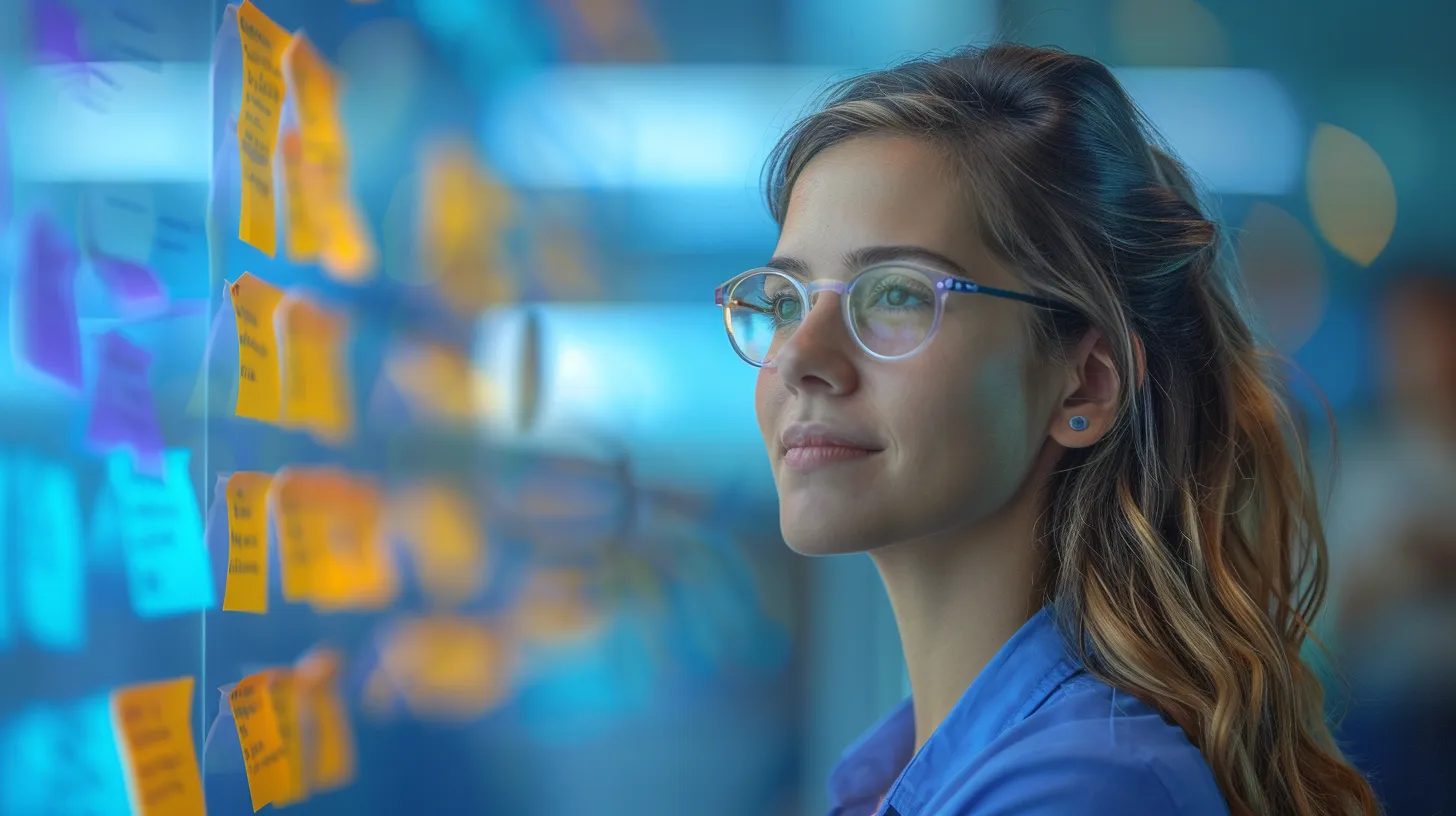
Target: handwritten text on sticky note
<point>247,512</point>
<point>263,42</point>
<point>259,371</point>
<point>251,701</point>
<point>154,731</point>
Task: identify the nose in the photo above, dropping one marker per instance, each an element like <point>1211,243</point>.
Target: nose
<point>819,357</point>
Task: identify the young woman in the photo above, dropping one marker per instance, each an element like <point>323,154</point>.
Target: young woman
<point>998,353</point>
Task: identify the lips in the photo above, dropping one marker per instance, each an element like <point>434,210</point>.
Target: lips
<point>813,446</point>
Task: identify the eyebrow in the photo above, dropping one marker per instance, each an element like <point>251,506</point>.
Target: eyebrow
<point>863,257</point>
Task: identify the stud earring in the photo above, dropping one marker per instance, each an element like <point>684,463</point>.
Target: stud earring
<point>1078,423</point>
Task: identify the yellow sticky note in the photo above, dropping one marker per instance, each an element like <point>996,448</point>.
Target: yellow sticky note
<point>302,238</point>
<point>153,723</point>
<point>264,760</point>
<point>346,247</point>
<point>263,95</point>
<point>463,211</point>
<point>299,522</point>
<point>259,372</point>
<point>438,525</point>
<point>288,706</point>
<point>328,739</point>
<point>316,394</point>
<point>247,575</point>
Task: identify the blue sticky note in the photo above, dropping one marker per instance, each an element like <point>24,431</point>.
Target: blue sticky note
<point>62,759</point>
<point>160,527</point>
<point>49,559</point>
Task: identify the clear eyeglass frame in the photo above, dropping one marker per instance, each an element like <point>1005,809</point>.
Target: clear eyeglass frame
<point>943,284</point>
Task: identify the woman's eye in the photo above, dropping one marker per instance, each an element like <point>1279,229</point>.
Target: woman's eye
<point>899,297</point>
<point>786,308</point>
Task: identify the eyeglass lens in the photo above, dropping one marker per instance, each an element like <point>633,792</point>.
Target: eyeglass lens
<point>891,312</point>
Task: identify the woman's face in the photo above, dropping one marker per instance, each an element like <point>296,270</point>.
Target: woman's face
<point>937,442</point>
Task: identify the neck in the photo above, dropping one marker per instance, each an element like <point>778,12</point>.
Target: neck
<point>958,597</point>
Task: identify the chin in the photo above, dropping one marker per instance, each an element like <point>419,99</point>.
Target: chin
<point>824,536</point>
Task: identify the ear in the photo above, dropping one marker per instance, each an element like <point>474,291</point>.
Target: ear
<point>1092,391</point>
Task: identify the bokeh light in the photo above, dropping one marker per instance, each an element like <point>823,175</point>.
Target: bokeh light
<point>1351,194</point>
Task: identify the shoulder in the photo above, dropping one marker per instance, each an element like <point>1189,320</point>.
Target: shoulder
<point>1088,750</point>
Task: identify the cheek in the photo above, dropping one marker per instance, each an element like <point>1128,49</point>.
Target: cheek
<point>768,399</point>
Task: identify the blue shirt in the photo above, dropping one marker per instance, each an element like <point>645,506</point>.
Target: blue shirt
<point>1034,735</point>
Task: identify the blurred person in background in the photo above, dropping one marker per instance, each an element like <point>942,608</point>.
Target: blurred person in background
<point>999,352</point>
<point>1393,540</point>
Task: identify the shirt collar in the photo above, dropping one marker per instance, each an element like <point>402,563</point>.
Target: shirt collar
<point>1019,678</point>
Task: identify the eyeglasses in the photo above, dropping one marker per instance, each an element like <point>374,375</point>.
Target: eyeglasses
<point>892,309</point>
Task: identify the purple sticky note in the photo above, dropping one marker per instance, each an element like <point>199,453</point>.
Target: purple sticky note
<point>44,304</point>
<point>57,32</point>
<point>133,285</point>
<point>123,413</point>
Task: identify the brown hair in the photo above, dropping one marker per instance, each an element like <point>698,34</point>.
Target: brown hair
<point>1184,553</point>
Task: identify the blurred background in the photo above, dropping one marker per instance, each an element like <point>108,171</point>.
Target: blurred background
<point>428,438</point>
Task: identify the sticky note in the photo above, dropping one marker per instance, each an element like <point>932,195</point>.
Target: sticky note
<point>437,523</point>
<point>299,521</point>
<point>162,537</point>
<point>44,303</point>
<point>57,32</point>
<point>251,702</point>
<point>247,513</point>
<point>328,739</point>
<point>153,724</point>
<point>62,758</point>
<point>463,213</point>
<point>259,370</point>
<point>123,412</point>
<point>346,249</point>
<point>288,706</point>
<point>132,285</point>
<point>49,561</point>
<point>355,570</point>
<point>117,221</point>
<point>316,393</point>
<point>438,382</point>
<point>302,238</point>
<point>263,43</point>
<point>446,667</point>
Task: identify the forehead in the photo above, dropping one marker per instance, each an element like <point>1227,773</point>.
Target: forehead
<point>876,190</point>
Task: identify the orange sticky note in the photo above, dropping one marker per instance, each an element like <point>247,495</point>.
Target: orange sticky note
<point>346,248</point>
<point>357,571</point>
<point>153,723</point>
<point>463,211</point>
<point>288,706</point>
<point>436,380</point>
<point>247,575</point>
<point>259,371</point>
<point>302,239</point>
<point>263,44</point>
<point>302,536</point>
<point>264,760</point>
<point>316,394</point>
<point>328,743</point>
<point>447,667</point>
<point>438,525</point>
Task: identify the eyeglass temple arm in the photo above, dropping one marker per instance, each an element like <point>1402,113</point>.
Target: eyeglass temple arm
<point>973,288</point>
<point>736,302</point>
